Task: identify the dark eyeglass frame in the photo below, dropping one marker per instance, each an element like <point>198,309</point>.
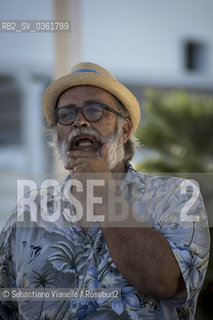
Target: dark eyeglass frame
<point>76,108</point>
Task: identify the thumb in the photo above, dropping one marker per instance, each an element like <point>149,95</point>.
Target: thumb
<point>104,152</point>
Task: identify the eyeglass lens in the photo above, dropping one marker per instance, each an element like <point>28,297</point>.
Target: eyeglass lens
<point>91,112</point>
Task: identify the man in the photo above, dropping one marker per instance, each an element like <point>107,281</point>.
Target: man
<point>108,226</point>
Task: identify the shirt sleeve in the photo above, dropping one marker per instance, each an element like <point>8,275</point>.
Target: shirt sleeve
<point>184,223</point>
<point>7,270</point>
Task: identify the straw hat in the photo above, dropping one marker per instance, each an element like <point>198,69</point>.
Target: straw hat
<point>87,73</point>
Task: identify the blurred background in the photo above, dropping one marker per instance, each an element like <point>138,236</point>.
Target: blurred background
<point>161,50</point>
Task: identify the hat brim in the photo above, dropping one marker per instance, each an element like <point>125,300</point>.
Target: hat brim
<point>57,87</point>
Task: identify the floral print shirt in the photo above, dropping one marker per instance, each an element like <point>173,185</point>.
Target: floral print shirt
<point>37,254</point>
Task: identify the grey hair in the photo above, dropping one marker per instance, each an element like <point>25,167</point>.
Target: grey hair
<point>132,143</point>
<point>130,147</point>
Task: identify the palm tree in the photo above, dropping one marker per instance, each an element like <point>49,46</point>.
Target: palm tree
<point>42,280</point>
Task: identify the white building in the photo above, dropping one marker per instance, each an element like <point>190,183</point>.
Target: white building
<point>26,67</point>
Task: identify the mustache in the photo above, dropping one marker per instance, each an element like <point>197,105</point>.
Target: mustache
<point>113,139</point>
<point>84,131</point>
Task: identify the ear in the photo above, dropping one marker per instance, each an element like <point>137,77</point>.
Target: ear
<point>126,129</point>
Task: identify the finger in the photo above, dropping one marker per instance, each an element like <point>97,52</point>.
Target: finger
<point>104,152</point>
<point>81,154</point>
<point>74,163</point>
<point>78,169</point>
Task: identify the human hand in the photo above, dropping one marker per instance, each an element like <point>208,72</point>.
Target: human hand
<point>89,161</point>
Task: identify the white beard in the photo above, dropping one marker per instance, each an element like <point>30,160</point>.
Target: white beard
<point>116,147</point>
<point>114,140</point>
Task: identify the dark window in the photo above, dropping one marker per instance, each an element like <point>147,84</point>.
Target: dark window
<point>194,56</point>
<point>10,112</point>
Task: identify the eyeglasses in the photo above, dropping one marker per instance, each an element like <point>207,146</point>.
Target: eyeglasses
<point>92,111</point>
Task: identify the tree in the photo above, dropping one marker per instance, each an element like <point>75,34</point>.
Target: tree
<point>179,127</point>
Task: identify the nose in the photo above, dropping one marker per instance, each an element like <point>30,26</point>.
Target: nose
<point>80,121</point>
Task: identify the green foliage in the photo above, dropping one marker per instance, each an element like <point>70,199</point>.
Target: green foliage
<point>179,127</point>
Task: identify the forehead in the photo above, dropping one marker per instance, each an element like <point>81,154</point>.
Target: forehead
<point>80,94</point>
